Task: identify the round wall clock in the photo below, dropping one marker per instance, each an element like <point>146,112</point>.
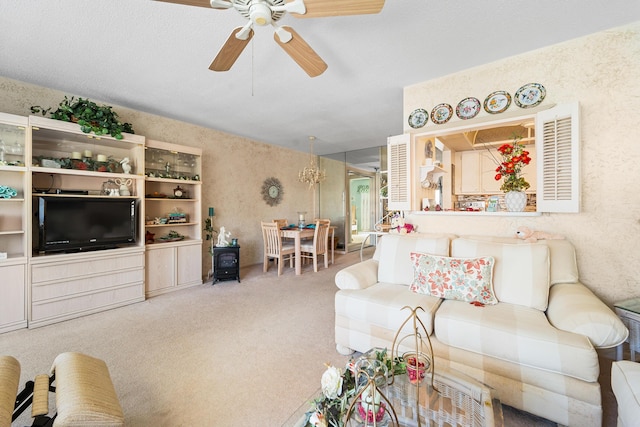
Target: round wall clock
<point>272,191</point>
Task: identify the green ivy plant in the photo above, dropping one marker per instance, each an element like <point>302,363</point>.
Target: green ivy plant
<point>209,233</point>
<point>99,119</point>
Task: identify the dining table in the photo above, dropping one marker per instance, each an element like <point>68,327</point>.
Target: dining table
<point>297,234</point>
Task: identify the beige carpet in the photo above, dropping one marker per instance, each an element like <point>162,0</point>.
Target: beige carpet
<point>233,354</point>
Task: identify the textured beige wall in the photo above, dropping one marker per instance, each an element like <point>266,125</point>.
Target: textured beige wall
<point>602,72</point>
<point>233,167</point>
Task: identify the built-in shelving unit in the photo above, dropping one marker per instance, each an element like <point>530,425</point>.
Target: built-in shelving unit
<point>65,162</point>
<point>173,194</point>
<point>13,221</point>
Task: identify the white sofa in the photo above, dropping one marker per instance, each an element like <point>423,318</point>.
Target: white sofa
<point>625,383</point>
<point>536,347</point>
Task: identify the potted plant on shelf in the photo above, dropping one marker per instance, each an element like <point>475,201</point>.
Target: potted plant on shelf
<point>514,159</point>
<point>99,119</point>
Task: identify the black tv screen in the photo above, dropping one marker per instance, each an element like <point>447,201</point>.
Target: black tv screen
<point>71,224</point>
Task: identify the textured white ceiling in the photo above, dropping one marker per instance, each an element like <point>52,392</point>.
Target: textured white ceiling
<point>154,57</point>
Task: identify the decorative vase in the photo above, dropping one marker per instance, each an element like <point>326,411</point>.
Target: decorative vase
<point>515,201</point>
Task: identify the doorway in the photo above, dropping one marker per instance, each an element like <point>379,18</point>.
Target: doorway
<point>362,206</point>
<point>350,196</point>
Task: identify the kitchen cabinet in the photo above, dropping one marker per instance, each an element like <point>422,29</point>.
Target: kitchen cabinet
<point>477,171</point>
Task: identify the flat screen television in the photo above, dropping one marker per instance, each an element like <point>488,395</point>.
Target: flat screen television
<point>74,224</point>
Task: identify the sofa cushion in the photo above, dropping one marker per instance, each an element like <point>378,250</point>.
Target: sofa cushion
<point>625,383</point>
<point>395,255</point>
<point>562,256</point>
<point>463,279</point>
<point>574,308</point>
<point>521,272</point>
<point>358,276</point>
<point>381,306</point>
<point>517,334</point>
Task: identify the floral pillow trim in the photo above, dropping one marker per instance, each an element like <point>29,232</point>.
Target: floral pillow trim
<point>462,279</point>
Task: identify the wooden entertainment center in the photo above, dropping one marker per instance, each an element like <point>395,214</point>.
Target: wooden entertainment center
<point>45,159</point>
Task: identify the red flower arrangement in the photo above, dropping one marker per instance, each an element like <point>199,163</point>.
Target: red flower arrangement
<point>514,158</point>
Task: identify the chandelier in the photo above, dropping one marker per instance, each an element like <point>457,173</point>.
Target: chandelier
<point>312,174</point>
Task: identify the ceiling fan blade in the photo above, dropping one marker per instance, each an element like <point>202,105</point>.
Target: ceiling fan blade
<point>231,50</point>
<point>302,53</point>
<point>201,3</point>
<point>216,4</point>
<point>321,8</point>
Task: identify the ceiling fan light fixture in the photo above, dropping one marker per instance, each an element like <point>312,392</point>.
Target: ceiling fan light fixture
<point>260,14</point>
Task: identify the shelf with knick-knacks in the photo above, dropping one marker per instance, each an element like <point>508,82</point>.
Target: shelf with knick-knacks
<point>173,218</point>
<point>172,190</point>
<point>13,222</point>
<point>13,182</point>
<point>65,159</point>
<point>168,161</point>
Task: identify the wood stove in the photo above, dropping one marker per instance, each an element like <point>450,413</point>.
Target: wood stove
<point>226,263</point>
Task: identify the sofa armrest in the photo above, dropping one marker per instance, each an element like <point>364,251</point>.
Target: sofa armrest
<point>358,276</point>
<point>574,308</point>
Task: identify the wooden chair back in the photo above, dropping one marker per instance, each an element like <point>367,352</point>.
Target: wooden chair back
<point>323,221</point>
<point>281,222</point>
<point>272,239</point>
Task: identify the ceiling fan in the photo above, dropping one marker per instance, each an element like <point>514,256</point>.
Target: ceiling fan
<point>268,12</point>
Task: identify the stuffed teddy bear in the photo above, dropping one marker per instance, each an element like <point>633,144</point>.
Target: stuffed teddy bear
<point>531,236</point>
<point>398,225</point>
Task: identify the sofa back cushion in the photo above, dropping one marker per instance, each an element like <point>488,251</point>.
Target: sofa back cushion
<point>394,255</point>
<point>521,272</point>
<point>562,256</point>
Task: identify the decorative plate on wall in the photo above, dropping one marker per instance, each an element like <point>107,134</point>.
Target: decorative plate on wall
<point>272,191</point>
<point>468,108</point>
<point>530,95</point>
<point>441,113</point>
<point>497,102</point>
<point>418,118</point>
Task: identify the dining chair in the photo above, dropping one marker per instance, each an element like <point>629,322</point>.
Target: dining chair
<point>274,248</point>
<point>281,222</point>
<point>319,246</point>
<point>323,221</point>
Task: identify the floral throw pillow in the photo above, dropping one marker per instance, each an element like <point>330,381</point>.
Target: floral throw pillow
<point>463,279</point>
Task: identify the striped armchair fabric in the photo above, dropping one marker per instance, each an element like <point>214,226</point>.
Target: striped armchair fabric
<point>536,348</point>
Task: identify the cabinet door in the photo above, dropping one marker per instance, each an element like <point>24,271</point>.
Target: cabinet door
<point>160,268</point>
<point>190,265</point>
<point>488,164</point>
<point>470,172</point>
<point>12,303</point>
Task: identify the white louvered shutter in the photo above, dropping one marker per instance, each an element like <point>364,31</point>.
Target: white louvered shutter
<point>399,185</point>
<point>558,159</point>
